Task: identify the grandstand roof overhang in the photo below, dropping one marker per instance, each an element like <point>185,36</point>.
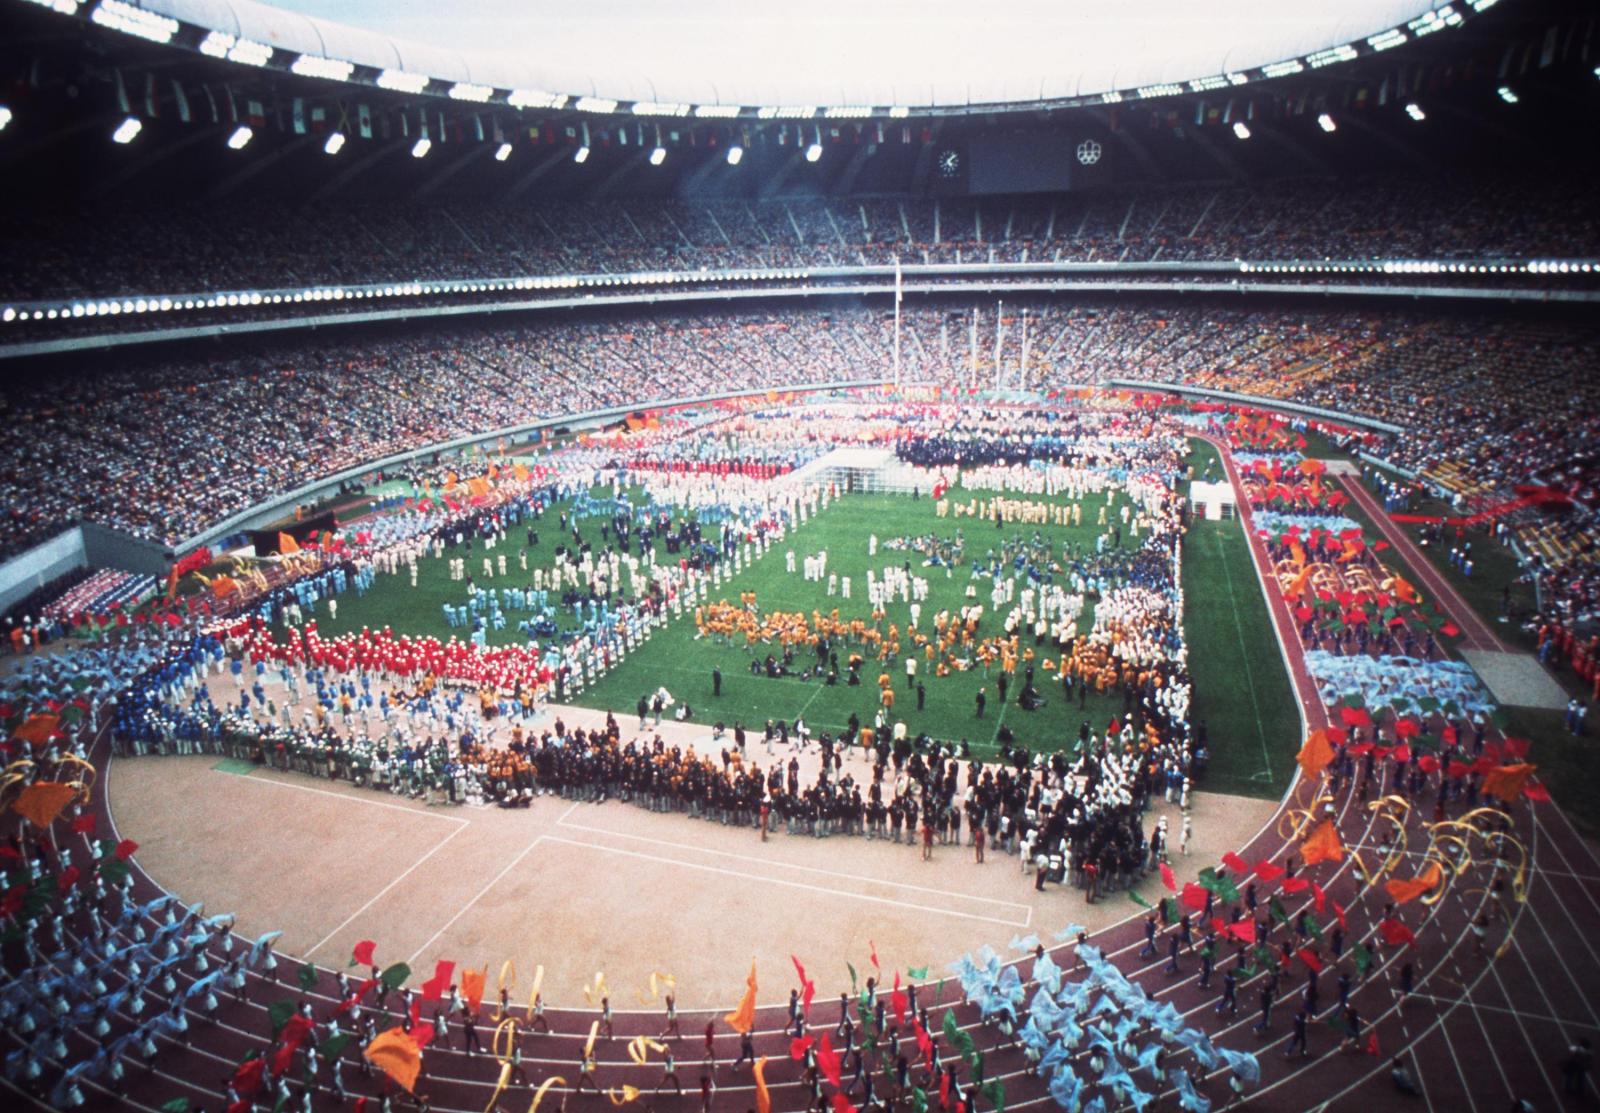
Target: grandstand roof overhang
<point>938,54</point>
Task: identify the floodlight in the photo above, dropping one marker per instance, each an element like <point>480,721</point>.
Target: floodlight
<point>5,117</point>
<point>734,155</point>
<point>1508,94</point>
<point>1414,110</point>
<point>127,130</point>
<point>658,156</point>
<point>814,152</point>
<point>466,90</point>
<point>717,111</point>
<point>335,143</point>
<point>503,153</point>
<point>332,69</point>
<point>581,155</point>
<point>240,137</point>
<point>1241,130</point>
<point>134,21</point>
<point>399,81</point>
<point>421,147</point>
<point>1325,122</point>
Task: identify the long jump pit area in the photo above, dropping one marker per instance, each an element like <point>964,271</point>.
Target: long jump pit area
<point>584,888</point>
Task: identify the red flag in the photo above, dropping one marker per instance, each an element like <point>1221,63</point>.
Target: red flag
<point>1235,863</point>
<point>126,849</point>
<point>1168,878</point>
<point>874,956</point>
<point>247,1079</point>
<point>1294,885</point>
<point>1268,871</point>
<point>1401,754</point>
<point>362,954</point>
<point>841,1104</point>
<point>83,825</point>
<point>897,1001</point>
<point>1395,933</point>
<point>1516,749</point>
<point>1194,896</point>
<point>1307,956</point>
<point>1355,717</point>
<point>828,1060</point>
<point>1338,910</point>
<point>1320,895</point>
<point>798,1048</point>
<point>1406,728</point>
<point>1536,792</point>
<point>1372,1043</point>
<point>433,989</point>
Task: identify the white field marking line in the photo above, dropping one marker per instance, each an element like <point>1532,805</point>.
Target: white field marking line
<point>790,884</point>
<point>1244,653</point>
<point>1492,1008</point>
<point>495,880</point>
<point>784,865</point>
<point>1560,954</point>
<point>1533,1045</point>
<point>346,796</point>
<point>383,891</point>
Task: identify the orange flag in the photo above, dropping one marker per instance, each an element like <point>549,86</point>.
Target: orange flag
<point>1297,586</point>
<point>763,1099</point>
<point>520,472</point>
<point>472,986</point>
<point>1507,781</point>
<point>1403,590</point>
<point>478,487</point>
<point>38,728</point>
<point>743,1019</point>
<point>396,1054</point>
<point>287,544</point>
<point>1403,891</point>
<point>1316,755</point>
<point>41,803</point>
<point>1323,845</point>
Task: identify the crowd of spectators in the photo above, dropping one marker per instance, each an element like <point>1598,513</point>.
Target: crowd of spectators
<point>193,248</point>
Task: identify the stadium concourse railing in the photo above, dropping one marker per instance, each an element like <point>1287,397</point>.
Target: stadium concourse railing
<point>90,545</point>
<point>659,288</point>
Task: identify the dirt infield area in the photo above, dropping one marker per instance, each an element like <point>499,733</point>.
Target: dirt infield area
<point>581,888</point>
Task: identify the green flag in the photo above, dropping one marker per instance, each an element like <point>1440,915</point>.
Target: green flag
<point>176,1105</point>
<point>852,969</point>
<point>308,976</point>
<point>951,1029</point>
<point>996,1093</point>
<point>395,976</point>
<point>1277,911</point>
<point>1137,899</point>
<point>919,973</point>
<point>279,1013</point>
<point>333,1046</point>
<point>919,1099</point>
<point>1363,958</point>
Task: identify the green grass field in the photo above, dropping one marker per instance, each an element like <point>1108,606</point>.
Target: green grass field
<point>1241,690</point>
<point>674,659</point>
<point>1232,653</point>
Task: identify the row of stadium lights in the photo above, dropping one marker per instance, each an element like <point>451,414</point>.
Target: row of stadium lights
<point>1417,266</point>
<point>129,19</point>
<point>417,289</point>
<point>340,293</point>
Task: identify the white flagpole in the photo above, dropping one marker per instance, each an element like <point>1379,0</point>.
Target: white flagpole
<point>897,296</point>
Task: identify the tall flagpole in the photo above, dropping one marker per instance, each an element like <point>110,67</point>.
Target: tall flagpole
<point>897,295</point>
<point>999,340</point>
<point>1022,369</point>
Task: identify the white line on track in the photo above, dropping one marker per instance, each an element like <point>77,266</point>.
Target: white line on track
<point>381,892</point>
<point>844,894</point>
<point>348,797</point>
<point>481,893</point>
<point>764,863</point>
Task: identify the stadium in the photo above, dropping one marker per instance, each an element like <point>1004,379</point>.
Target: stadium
<point>780,558</point>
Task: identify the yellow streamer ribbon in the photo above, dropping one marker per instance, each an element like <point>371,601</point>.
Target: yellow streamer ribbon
<point>538,1095</point>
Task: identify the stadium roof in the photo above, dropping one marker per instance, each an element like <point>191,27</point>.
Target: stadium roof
<point>919,53</point>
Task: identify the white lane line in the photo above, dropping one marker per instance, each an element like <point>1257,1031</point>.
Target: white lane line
<point>791,884</point>
<point>381,892</point>
<point>495,880</point>
<point>768,864</point>
<point>347,797</point>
